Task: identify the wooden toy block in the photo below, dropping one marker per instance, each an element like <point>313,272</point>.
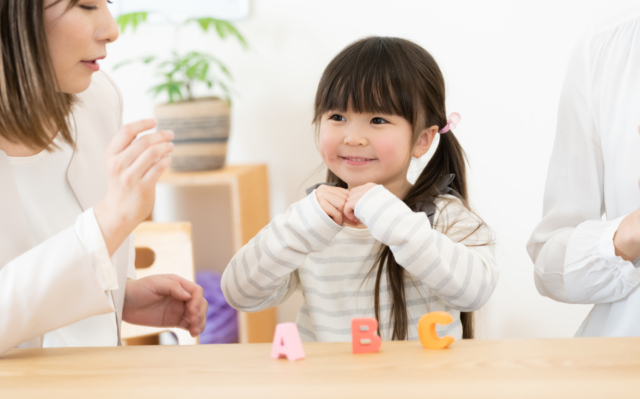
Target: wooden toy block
<point>363,335</point>
<point>287,343</point>
<point>427,330</point>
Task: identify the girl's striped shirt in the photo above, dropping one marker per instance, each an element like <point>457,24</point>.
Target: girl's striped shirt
<point>450,267</point>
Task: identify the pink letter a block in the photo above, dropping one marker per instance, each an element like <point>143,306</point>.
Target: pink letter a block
<point>287,343</point>
<point>363,335</point>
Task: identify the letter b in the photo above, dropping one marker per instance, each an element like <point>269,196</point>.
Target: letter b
<point>363,335</point>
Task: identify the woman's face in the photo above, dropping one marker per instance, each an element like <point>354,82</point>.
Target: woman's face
<point>77,40</point>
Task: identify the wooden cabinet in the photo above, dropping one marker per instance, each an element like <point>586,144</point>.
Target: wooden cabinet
<point>247,194</point>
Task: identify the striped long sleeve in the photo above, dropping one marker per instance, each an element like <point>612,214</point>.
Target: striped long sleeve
<point>264,272</point>
<point>463,274</point>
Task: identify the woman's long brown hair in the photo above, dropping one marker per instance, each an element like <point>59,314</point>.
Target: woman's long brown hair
<point>397,77</point>
<point>31,106</point>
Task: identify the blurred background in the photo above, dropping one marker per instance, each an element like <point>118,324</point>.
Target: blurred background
<point>503,61</point>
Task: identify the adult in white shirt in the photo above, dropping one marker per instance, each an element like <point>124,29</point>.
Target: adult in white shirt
<point>581,256</point>
<point>67,273</point>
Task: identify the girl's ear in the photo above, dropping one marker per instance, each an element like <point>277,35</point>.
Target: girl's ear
<point>424,141</point>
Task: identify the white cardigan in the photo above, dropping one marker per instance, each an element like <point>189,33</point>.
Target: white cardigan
<point>58,282</point>
<point>594,170</point>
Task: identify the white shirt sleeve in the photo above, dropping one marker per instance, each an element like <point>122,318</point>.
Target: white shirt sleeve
<point>63,280</point>
<point>572,247</point>
<point>131,262</point>
<point>458,265</point>
<point>264,272</point>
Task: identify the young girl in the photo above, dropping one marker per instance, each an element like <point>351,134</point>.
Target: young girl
<point>363,245</point>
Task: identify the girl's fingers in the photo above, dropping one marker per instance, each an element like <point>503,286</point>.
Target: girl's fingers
<point>130,154</point>
<point>331,211</point>
<point>127,134</point>
<point>349,211</point>
<point>337,191</point>
<point>147,159</point>
<point>336,201</point>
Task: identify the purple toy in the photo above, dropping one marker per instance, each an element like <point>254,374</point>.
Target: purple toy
<point>222,319</point>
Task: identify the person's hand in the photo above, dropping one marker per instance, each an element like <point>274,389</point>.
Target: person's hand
<point>133,169</point>
<point>627,239</point>
<point>165,300</point>
<point>355,194</point>
<point>332,201</point>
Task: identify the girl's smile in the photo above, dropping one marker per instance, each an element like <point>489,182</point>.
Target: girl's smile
<point>357,160</point>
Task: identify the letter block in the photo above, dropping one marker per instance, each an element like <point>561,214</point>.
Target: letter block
<point>363,335</point>
<point>427,330</point>
<point>287,343</point>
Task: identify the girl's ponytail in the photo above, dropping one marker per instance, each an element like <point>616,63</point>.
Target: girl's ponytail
<point>449,159</point>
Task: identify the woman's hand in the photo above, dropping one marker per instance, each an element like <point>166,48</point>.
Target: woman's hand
<point>133,169</point>
<point>627,239</point>
<point>355,195</point>
<point>165,300</point>
<point>332,201</point>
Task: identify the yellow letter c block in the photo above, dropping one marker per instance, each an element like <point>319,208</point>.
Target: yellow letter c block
<point>427,330</point>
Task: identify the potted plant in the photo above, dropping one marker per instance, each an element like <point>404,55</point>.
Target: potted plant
<point>201,125</point>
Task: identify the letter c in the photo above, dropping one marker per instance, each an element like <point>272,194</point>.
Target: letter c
<point>427,330</point>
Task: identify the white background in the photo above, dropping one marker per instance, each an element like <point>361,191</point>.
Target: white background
<point>503,62</point>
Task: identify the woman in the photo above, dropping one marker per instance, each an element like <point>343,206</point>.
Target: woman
<point>67,273</point>
<point>581,257</point>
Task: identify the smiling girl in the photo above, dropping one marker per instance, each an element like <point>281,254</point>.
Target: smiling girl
<point>369,243</point>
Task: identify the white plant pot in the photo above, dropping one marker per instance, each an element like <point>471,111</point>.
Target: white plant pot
<point>201,130</point>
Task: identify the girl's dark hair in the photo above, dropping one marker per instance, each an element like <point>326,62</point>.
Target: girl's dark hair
<point>31,106</point>
<point>396,77</point>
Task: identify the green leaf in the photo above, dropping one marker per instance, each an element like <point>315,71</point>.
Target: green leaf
<point>172,88</point>
<point>222,67</point>
<point>204,72</point>
<point>132,19</point>
<point>222,27</point>
<point>195,71</point>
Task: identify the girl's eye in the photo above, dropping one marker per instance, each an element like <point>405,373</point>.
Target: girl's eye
<point>336,117</point>
<point>379,121</point>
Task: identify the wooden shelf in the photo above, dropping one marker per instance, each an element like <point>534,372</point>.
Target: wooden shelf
<point>249,199</point>
<point>211,178</point>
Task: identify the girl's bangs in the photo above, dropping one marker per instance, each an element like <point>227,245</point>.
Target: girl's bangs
<point>366,79</point>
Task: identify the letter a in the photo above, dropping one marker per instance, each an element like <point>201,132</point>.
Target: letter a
<point>427,330</point>
<point>287,343</point>
<point>363,335</point>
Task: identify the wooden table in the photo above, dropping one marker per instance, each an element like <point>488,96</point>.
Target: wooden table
<point>583,368</point>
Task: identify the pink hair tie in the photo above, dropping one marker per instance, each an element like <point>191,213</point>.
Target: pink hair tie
<point>452,123</point>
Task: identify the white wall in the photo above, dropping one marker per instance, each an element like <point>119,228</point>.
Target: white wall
<point>503,61</point>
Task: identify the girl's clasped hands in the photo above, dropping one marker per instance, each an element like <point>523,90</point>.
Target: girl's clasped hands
<point>340,203</point>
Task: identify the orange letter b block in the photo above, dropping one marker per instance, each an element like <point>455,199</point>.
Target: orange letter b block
<point>427,330</point>
<point>363,335</point>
